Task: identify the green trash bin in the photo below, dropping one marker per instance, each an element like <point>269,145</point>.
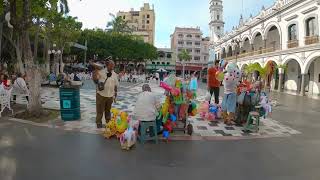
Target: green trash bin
<point>70,103</point>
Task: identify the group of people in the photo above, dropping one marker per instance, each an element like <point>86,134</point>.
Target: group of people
<point>235,91</point>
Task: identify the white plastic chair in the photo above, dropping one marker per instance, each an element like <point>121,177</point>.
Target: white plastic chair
<point>5,99</point>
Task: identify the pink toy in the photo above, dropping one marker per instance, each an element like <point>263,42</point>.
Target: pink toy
<point>211,117</point>
<point>204,107</point>
<point>219,113</point>
<point>175,91</point>
<point>165,86</point>
<point>203,115</point>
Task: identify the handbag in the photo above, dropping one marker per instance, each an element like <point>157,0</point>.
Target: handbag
<point>102,84</point>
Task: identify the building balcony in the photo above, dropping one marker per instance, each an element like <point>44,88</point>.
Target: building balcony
<point>293,44</point>
<point>271,52</point>
<point>251,53</point>
<point>311,40</point>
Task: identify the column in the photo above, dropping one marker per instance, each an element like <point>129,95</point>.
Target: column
<point>303,89</point>
<point>281,74</point>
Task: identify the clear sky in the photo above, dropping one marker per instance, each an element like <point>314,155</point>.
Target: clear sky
<point>169,13</point>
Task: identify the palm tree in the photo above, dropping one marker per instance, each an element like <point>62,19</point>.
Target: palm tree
<point>118,25</point>
<point>184,56</point>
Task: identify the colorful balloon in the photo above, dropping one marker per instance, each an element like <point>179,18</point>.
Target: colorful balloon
<point>220,76</point>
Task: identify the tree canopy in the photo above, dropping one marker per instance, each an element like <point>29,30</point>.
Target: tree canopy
<point>121,47</point>
<point>184,55</point>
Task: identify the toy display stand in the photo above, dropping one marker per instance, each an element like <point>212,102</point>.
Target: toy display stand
<point>183,124</point>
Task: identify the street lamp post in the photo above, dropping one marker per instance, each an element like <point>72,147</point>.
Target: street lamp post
<point>55,52</point>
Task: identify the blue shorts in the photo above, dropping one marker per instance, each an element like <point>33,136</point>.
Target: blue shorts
<point>229,103</point>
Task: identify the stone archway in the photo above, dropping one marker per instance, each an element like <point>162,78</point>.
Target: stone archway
<point>246,46</point>
<point>258,44</point>
<point>272,75</point>
<point>292,76</point>
<point>311,75</point>
<point>273,38</point>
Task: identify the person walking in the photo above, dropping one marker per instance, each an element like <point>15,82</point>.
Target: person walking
<point>107,88</point>
<point>213,82</point>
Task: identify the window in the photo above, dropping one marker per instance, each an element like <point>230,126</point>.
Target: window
<point>124,17</point>
<point>180,35</point>
<point>197,43</point>
<point>189,50</point>
<point>189,43</point>
<point>179,50</point>
<point>197,58</point>
<point>218,17</point>
<point>148,16</point>
<point>153,63</point>
<point>189,36</point>
<point>158,63</point>
<point>180,42</point>
<point>311,27</point>
<point>143,26</point>
<point>204,58</point>
<point>168,63</point>
<point>148,21</point>
<point>292,32</point>
<point>218,27</point>
<point>169,56</point>
<point>163,63</point>
<point>143,22</point>
<point>198,36</point>
<point>197,51</point>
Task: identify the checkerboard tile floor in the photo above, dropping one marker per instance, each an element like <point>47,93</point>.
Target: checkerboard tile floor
<point>125,102</point>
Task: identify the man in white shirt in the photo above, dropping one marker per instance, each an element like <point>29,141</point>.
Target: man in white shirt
<point>147,105</point>
<point>106,97</point>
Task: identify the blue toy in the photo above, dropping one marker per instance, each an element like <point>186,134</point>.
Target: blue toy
<point>173,118</point>
<point>165,134</point>
<point>213,109</point>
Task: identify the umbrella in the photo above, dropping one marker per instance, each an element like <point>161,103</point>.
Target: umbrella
<point>79,66</point>
<point>161,70</point>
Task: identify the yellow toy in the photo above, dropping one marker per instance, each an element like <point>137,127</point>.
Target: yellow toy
<point>111,127</point>
<point>122,123</point>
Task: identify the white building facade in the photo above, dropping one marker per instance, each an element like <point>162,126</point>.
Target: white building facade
<point>286,34</point>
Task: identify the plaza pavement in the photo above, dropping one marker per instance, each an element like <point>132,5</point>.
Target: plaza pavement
<point>203,130</point>
<point>29,152</point>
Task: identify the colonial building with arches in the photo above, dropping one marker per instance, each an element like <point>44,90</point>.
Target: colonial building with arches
<point>285,34</point>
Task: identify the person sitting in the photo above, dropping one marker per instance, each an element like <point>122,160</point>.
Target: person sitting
<point>20,87</point>
<point>147,106</point>
<point>5,81</point>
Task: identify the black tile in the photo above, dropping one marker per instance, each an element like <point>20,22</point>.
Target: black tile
<point>202,128</point>
<point>213,124</point>
<point>222,133</point>
<point>229,128</point>
<point>219,131</point>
